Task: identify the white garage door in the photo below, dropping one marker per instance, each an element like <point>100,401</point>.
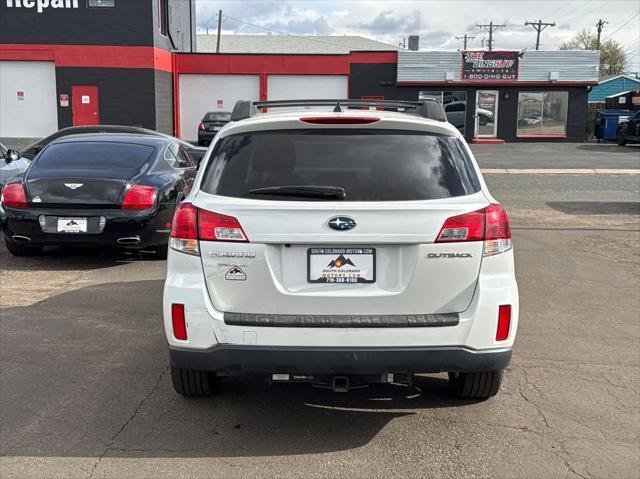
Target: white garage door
<point>27,99</point>
<point>202,93</point>
<point>305,87</point>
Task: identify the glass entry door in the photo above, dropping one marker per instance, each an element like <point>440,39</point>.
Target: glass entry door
<point>486,113</point>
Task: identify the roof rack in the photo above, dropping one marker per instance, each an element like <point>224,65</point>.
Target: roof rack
<point>426,108</point>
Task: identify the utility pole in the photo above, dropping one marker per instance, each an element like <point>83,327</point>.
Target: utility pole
<point>538,27</point>
<point>599,26</point>
<point>465,38</point>
<point>219,30</point>
<point>491,27</point>
<point>404,42</point>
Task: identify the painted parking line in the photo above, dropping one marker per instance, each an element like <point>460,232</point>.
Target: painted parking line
<point>560,171</point>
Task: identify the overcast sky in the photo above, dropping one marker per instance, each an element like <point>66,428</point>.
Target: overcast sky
<point>437,22</point>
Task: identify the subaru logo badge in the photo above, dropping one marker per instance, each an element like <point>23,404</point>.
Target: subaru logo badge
<point>341,223</point>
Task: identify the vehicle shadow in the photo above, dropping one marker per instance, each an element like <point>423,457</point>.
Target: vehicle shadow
<point>85,374</point>
<point>596,207</point>
<point>69,259</point>
<point>609,147</point>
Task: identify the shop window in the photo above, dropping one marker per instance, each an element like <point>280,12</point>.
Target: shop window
<point>454,103</point>
<point>101,3</point>
<point>163,10</point>
<point>542,113</point>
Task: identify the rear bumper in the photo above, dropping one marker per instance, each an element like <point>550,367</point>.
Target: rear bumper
<point>313,360</point>
<point>149,227</point>
<point>206,135</point>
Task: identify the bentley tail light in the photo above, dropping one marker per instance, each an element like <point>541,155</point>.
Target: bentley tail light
<point>13,196</point>
<point>139,197</point>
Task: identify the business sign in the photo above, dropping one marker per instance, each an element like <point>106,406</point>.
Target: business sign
<point>64,99</point>
<point>41,5</point>
<point>485,65</point>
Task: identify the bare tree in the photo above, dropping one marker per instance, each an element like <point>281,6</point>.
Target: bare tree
<point>612,58</point>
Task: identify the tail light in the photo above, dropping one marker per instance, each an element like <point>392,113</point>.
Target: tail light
<point>201,126</point>
<point>184,229</point>
<point>504,322</point>
<point>216,227</point>
<point>191,224</point>
<point>179,321</point>
<point>139,197</point>
<point>339,120</point>
<point>489,224</point>
<point>13,196</point>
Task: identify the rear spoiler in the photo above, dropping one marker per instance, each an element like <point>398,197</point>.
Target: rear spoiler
<point>430,109</point>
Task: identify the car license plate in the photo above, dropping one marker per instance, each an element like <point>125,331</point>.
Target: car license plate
<point>72,225</point>
<point>341,265</point>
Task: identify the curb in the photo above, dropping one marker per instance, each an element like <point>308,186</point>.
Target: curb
<point>560,171</point>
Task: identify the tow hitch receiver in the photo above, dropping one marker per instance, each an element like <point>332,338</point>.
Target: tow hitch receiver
<point>341,383</point>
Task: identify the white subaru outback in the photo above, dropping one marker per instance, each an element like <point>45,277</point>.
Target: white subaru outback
<point>340,247</point>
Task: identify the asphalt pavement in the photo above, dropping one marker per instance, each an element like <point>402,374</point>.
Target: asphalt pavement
<point>533,155</point>
<point>84,389</point>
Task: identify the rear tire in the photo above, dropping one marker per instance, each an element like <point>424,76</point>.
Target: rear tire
<point>189,382</point>
<point>22,250</point>
<point>476,385</point>
<point>620,139</point>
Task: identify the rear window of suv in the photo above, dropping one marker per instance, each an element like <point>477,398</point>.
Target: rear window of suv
<point>371,165</point>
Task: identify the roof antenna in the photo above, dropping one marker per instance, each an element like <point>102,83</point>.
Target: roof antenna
<point>337,109</point>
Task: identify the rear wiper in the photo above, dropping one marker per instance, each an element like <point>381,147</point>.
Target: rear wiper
<point>303,191</point>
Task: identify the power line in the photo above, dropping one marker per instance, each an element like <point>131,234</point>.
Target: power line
<point>465,37</point>
<point>621,26</point>
<point>561,8</point>
<point>491,27</point>
<point>538,27</point>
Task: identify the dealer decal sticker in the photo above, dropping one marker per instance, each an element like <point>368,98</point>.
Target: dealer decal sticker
<point>235,274</point>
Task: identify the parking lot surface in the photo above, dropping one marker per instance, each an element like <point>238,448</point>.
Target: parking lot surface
<point>557,155</point>
<point>84,389</point>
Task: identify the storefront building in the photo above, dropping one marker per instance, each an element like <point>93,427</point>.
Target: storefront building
<point>493,96</point>
<point>77,62</point>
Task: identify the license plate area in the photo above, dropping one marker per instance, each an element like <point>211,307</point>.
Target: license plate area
<point>341,265</point>
<point>71,224</point>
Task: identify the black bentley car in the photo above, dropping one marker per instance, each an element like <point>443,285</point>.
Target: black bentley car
<point>29,152</point>
<point>98,189</point>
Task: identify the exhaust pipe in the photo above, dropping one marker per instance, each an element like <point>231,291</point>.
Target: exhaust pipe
<point>129,240</point>
<point>21,239</point>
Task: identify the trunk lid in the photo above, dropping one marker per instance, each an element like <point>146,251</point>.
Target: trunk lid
<point>413,275</point>
<point>78,188</point>
<point>399,180</point>
<point>85,173</point>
